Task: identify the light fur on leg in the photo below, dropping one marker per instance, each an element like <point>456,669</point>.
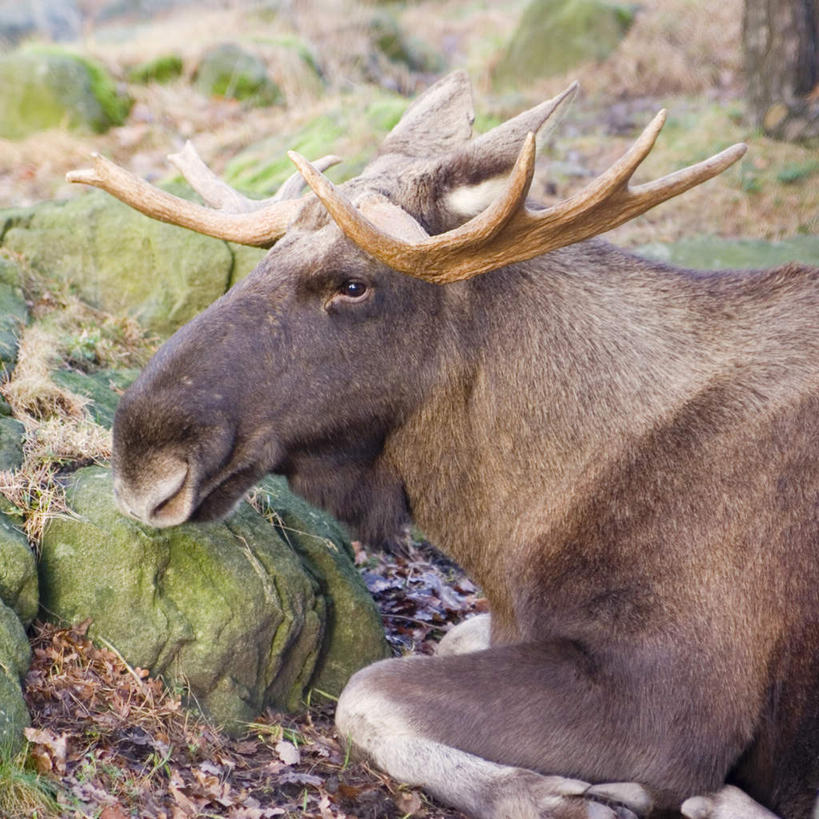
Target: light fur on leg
<point>727,803</point>
<point>377,727</point>
<point>470,635</point>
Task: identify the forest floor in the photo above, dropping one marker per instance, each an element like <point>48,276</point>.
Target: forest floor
<point>107,741</point>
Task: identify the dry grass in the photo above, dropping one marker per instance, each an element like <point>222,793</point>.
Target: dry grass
<point>59,433</point>
<point>24,793</point>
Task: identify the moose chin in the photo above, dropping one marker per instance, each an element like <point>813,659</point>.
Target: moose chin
<point>623,454</point>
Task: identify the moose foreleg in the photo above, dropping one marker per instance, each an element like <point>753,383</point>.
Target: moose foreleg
<point>385,714</point>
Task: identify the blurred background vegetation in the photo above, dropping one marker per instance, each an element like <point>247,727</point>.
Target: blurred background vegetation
<point>248,79</point>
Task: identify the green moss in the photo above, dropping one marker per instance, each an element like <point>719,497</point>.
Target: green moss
<point>15,655</point>
<point>383,114</point>
<point>18,568</point>
<point>229,71</point>
<point>797,171</point>
<point>161,70</point>
<point>45,87</point>
<point>122,261</point>
<point>115,105</point>
<point>255,172</point>
<point>102,387</point>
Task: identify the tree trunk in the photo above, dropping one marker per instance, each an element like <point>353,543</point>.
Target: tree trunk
<point>781,42</point>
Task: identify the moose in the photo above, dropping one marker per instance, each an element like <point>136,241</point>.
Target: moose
<point>623,454</point>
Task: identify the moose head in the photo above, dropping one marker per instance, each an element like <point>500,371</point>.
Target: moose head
<point>308,366</point>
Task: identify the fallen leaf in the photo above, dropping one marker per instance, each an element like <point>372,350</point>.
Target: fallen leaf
<point>408,802</point>
<point>288,752</point>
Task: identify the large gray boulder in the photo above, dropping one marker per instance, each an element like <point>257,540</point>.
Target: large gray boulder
<point>45,88</point>
<point>123,262</point>
<point>228,70</point>
<point>13,313</point>
<point>555,36</point>
<point>15,655</point>
<point>18,567</point>
<point>18,606</point>
<point>13,317</point>
<point>245,613</point>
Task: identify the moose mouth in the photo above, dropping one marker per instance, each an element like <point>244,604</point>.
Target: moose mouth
<point>219,500</point>
<point>179,496</point>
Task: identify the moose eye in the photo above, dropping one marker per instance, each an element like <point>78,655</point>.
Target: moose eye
<point>353,290</point>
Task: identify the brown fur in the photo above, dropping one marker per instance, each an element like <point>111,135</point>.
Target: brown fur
<point>624,455</point>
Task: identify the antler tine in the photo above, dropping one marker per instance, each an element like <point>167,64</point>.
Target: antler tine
<point>673,184</point>
<point>425,258</point>
<point>218,194</point>
<point>260,227</point>
<point>294,185</point>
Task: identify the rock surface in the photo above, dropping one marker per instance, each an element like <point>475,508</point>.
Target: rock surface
<point>554,36</point>
<point>230,71</point>
<point>15,654</point>
<point>160,69</point>
<point>13,312</point>
<point>715,253</point>
<point>56,19</point>
<point>18,567</point>
<point>45,88</point>
<point>121,261</point>
<point>102,387</point>
<point>244,613</point>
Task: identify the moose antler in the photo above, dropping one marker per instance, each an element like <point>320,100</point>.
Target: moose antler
<point>230,216</point>
<point>507,231</point>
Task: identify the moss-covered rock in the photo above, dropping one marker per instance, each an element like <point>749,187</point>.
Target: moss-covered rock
<point>233,609</point>
<point>715,253</point>
<point>245,259</point>
<point>13,313</point>
<point>554,36</point>
<point>228,70</point>
<point>15,655</point>
<point>162,69</point>
<point>326,549</point>
<point>11,442</point>
<point>102,387</point>
<point>122,261</point>
<point>45,88</point>
<point>390,39</point>
<point>18,568</point>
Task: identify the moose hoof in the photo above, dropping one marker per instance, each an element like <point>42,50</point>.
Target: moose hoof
<point>555,797</point>
<point>727,803</point>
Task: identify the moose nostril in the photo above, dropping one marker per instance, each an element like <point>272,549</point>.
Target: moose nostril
<point>163,495</point>
<point>171,499</point>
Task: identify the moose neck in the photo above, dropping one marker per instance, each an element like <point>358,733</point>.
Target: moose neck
<point>582,365</point>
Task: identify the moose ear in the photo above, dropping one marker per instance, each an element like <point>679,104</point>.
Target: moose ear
<point>471,178</point>
<point>438,122</point>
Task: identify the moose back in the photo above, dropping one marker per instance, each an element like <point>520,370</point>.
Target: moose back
<point>624,455</point>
